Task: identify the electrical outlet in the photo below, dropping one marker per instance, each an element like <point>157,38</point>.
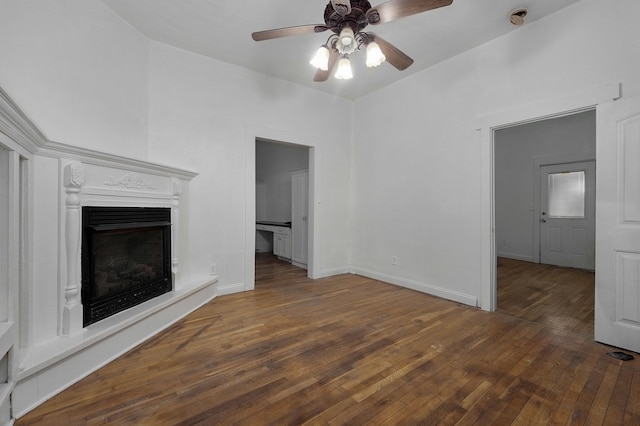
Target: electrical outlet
<point>213,269</point>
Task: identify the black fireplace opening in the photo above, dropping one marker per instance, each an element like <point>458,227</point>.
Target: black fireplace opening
<point>126,258</point>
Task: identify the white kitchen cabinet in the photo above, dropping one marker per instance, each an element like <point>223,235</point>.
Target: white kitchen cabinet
<point>282,243</point>
<point>299,218</point>
<point>281,238</point>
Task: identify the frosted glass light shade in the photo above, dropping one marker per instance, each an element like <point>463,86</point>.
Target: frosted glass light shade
<point>321,59</point>
<point>344,69</point>
<point>374,55</point>
<point>346,41</point>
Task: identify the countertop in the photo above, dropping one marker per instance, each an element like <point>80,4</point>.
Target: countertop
<point>271,223</point>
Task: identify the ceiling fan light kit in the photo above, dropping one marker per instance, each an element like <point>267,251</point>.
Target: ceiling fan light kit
<point>374,55</point>
<point>346,19</point>
<point>321,59</point>
<point>344,69</point>
<point>346,43</point>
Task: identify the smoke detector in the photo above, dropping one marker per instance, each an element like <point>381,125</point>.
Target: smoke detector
<point>517,16</point>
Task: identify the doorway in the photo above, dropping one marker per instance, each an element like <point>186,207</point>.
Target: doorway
<point>311,142</point>
<point>536,162</point>
<point>281,230</point>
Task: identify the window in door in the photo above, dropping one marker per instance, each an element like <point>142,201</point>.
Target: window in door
<point>566,193</point>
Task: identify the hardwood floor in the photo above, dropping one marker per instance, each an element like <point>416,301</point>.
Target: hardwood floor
<point>558,297</point>
<point>351,350</point>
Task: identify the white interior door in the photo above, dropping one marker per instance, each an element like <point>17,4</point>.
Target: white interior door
<point>567,220</point>
<point>617,301</point>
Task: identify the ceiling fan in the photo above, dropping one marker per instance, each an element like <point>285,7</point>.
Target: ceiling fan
<point>346,19</point>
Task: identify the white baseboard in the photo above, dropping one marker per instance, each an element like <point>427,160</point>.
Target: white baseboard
<point>419,286</point>
<point>54,366</point>
<point>515,256</point>
<point>331,272</point>
<point>230,288</point>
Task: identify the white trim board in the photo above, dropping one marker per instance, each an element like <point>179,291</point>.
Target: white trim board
<point>431,289</point>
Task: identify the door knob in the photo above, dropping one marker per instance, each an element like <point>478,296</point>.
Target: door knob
<point>543,220</point>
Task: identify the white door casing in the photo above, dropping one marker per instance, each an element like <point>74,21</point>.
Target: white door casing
<point>567,238</point>
<point>617,298</point>
<point>299,217</point>
<point>563,104</point>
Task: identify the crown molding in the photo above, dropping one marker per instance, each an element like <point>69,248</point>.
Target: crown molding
<point>17,126</point>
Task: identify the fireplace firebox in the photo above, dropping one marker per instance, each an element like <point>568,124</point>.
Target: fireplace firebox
<point>126,258</point>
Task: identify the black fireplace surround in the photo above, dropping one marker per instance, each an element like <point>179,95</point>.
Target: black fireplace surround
<point>126,258</point>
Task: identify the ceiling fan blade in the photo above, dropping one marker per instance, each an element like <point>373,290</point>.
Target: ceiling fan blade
<point>396,9</point>
<point>333,60</point>
<point>286,32</point>
<point>394,56</point>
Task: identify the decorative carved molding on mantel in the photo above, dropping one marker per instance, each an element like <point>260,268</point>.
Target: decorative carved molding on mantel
<point>74,176</point>
<point>176,187</point>
<point>130,181</point>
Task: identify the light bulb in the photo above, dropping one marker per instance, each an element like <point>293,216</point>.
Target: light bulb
<point>344,69</point>
<point>321,59</point>
<point>346,41</point>
<point>374,55</point>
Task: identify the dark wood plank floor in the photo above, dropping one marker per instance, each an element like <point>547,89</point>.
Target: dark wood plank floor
<point>558,297</point>
<point>350,350</point>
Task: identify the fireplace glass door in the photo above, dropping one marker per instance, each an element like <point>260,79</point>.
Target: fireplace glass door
<point>125,258</point>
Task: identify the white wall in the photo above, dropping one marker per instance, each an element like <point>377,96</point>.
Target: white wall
<point>200,113</point>
<point>517,150</point>
<point>417,172</point>
<point>78,71</point>
<point>274,164</point>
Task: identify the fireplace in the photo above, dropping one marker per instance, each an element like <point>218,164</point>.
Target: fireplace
<point>126,258</point>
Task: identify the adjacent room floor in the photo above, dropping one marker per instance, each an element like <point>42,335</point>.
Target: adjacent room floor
<point>559,297</point>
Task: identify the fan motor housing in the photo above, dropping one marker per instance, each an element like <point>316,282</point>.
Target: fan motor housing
<point>357,19</point>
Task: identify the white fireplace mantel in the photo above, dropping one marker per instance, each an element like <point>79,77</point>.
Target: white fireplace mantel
<point>106,183</point>
<point>89,178</point>
<point>41,367</point>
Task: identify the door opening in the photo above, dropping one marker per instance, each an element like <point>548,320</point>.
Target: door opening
<point>527,233</point>
<point>282,201</point>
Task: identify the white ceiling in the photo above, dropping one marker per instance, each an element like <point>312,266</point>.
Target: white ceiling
<point>222,30</point>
